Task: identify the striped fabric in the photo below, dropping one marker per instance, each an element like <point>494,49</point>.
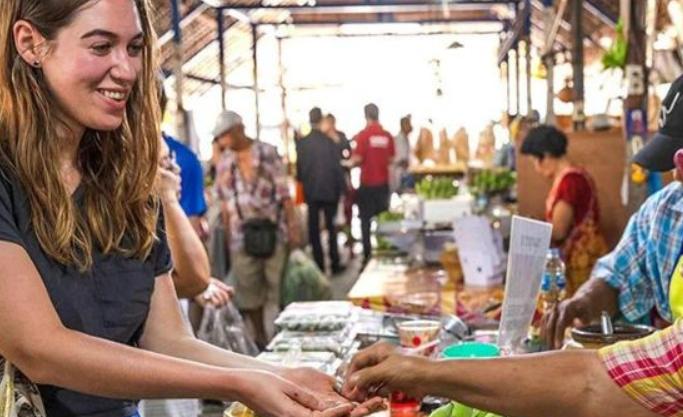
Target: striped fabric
<point>650,370</point>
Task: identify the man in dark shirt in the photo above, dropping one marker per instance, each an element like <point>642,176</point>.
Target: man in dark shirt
<point>374,153</point>
<point>319,169</point>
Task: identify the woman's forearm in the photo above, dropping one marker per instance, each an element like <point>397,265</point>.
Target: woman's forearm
<point>561,384</point>
<point>190,348</point>
<point>96,366</point>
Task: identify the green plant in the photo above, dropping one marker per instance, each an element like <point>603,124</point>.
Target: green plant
<point>615,56</point>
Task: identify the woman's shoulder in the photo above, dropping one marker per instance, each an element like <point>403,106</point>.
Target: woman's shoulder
<point>578,177</point>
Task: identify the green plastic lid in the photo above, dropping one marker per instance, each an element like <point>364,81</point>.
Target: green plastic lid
<point>471,350</point>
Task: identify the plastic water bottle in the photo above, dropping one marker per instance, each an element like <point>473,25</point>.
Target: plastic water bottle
<point>553,285</point>
<point>554,280</point>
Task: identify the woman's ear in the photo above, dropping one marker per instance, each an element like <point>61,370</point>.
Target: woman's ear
<point>30,43</point>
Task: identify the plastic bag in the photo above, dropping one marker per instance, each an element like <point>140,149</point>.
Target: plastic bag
<point>303,280</point>
<point>225,328</point>
<point>19,397</point>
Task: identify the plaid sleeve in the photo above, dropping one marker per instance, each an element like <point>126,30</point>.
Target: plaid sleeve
<point>625,268</point>
<point>650,370</point>
<point>223,180</point>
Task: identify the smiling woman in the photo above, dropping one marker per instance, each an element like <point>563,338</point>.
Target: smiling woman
<point>88,310</point>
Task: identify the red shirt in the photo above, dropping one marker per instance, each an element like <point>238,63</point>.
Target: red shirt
<point>575,189</point>
<point>375,146</point>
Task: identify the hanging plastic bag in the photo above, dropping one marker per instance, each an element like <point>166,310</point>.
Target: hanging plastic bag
<point>225,328</point>
<point>303,281</point>
<point>19,397</point>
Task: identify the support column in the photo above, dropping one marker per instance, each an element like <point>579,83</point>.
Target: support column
<point>254,57</point>
<point>283,100</point>
<point>518,91</point>
<point>634,14</point>
<point>181,126</point>
<point>548,59</point>
<point>576,12</point>
<point>220,23</point>
<point>527,57</point>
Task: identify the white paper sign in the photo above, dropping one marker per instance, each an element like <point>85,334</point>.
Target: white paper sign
<point>529,243</point>
<point>480,255</point>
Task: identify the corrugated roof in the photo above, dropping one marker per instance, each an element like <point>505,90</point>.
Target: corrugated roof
<point>199,37</point>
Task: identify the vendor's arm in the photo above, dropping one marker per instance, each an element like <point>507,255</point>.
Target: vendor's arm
<point>562,384</point>
<point>35,340</point>
<point>620,282</point>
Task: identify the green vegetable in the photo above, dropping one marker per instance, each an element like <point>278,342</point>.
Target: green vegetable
<point>436,188</point>
<point>389,216</point>
<point>615,56</point>
<point>492,181</point>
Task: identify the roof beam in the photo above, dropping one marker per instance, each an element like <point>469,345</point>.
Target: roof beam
<point>184,22</point>
<point>386,19</point>
<point>598,11</point>
<point>348,7</point>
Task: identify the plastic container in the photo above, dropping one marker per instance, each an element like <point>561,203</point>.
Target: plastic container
<point>467,350</point>
<point>470,350</point>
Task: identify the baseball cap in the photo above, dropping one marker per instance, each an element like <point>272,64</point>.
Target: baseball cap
<point>226,121</point>
<point>658,153</point>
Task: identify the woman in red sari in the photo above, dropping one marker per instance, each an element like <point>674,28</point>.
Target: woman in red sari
<point>571,206</point>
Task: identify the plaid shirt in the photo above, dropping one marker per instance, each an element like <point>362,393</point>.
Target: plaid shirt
<point>650,370</point>
<point>262,198</point>
<point>642,264</point>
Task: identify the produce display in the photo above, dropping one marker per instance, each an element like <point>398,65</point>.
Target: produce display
<point>338,342</point>
<point>320,317</point>
<point>389,216</point>
<point>384,245</point>
<point>431,188</point>
<point>492,181</point>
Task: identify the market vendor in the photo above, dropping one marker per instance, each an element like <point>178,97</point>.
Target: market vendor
<point>571,205</point>
<point>641,277</point>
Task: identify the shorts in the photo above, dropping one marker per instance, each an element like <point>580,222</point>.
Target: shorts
<point>257,281</point>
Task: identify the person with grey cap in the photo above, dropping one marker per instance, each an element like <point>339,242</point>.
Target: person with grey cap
<point>318,167</point>
<point>260,219</point>
<point>641,278</point>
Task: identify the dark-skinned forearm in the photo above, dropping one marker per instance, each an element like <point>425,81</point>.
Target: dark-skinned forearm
<point>561,384</point>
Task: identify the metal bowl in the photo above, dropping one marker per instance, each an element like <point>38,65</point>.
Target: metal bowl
<point>592,337</point>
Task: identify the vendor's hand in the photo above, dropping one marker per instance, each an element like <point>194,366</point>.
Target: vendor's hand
<point>367,358</point>
<point>270,395</point>
<point>217,294</point>
<point>371,356</point>
<point>574,312</point>
<point>323,386</point>
<point>394,373</point>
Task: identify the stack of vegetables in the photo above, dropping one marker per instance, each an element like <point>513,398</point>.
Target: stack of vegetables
<point>439,188</point>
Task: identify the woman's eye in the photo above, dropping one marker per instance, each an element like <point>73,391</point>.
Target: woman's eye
<point>101,48</point>
<point>135,50</point>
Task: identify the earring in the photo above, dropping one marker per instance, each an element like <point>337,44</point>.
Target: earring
<point>36,63</point>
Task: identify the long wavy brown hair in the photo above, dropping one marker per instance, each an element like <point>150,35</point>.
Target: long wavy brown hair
<point>119,212</point>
